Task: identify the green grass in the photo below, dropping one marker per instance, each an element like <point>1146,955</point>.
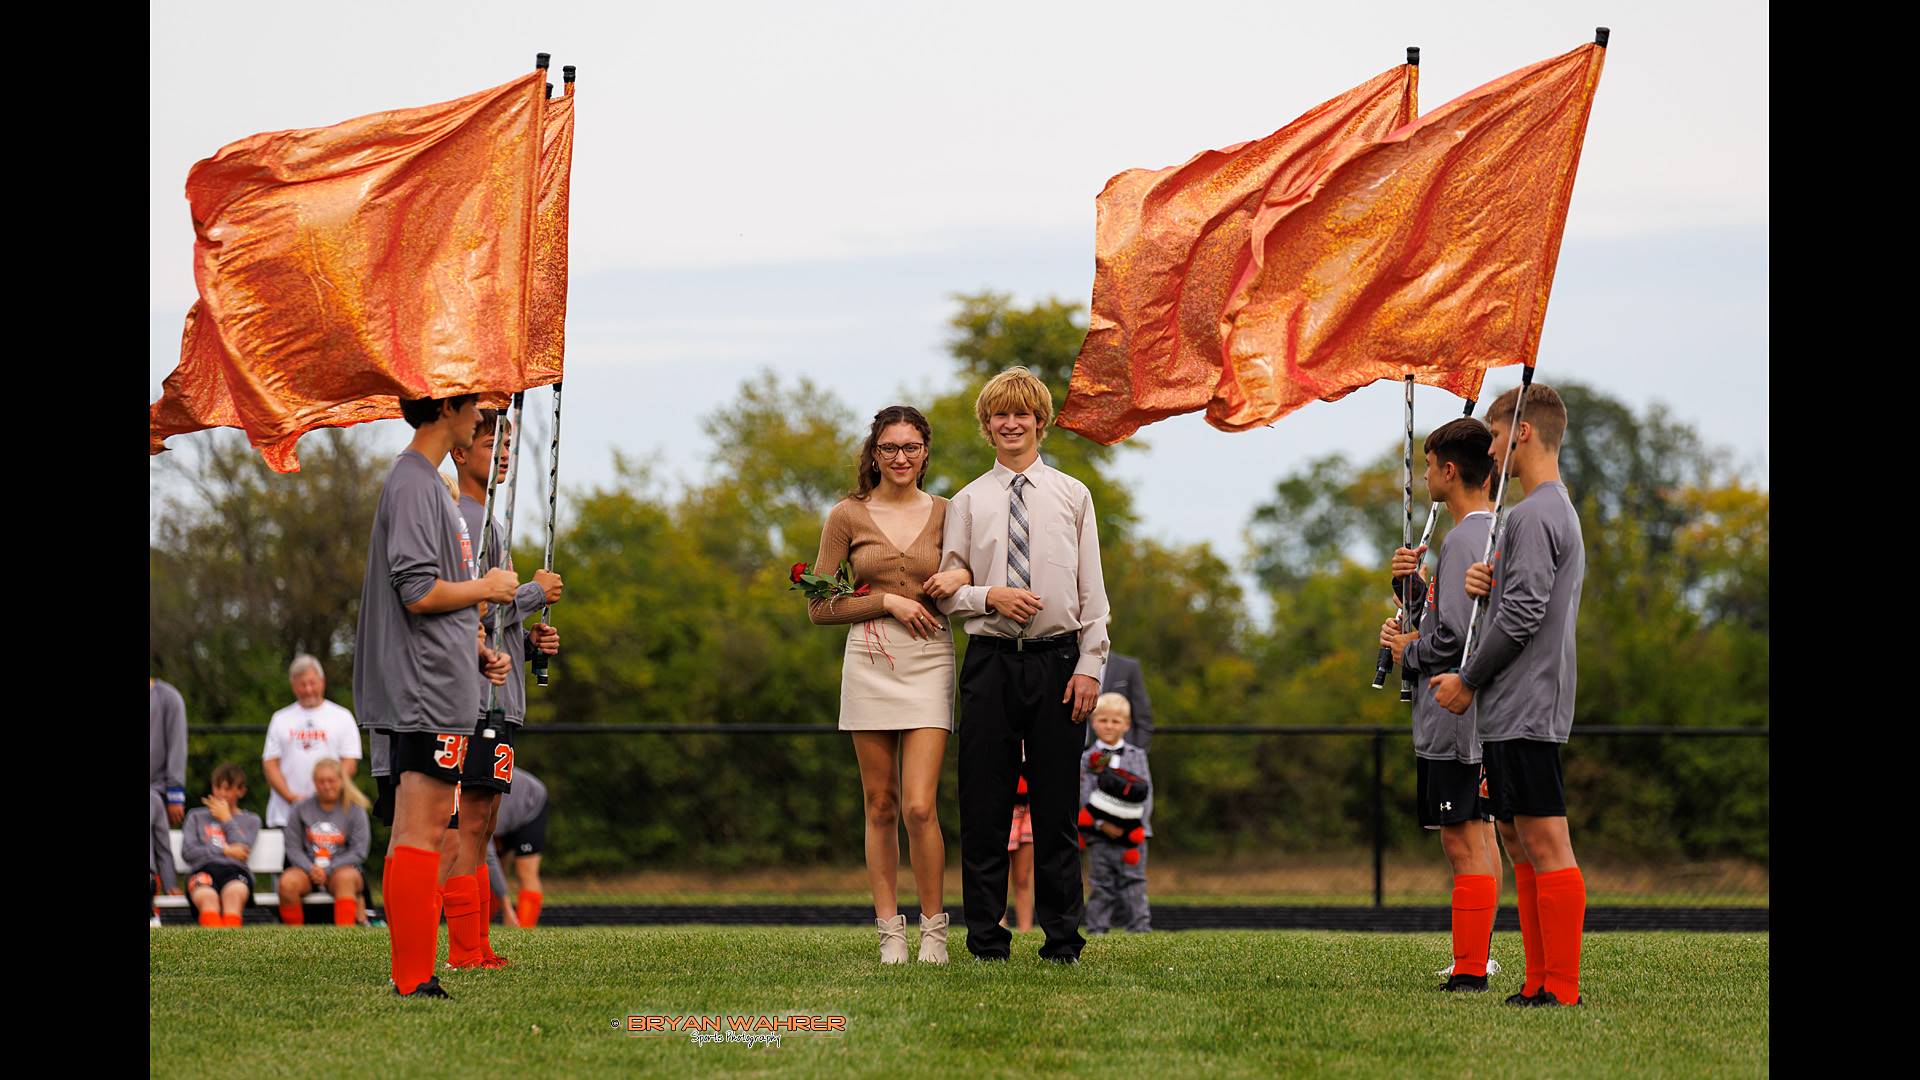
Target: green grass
<point>314,1002</point>
<point>1251,899</point>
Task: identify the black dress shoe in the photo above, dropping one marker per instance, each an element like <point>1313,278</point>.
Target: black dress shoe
<point>429,989</point>
<point>1465,984</point>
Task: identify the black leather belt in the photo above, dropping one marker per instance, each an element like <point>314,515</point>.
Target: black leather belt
<point>1007,644</point>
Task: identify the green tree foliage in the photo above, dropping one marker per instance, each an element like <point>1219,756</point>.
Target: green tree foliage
<point>677,611</point>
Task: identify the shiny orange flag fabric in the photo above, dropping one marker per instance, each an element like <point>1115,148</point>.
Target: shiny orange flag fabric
<point>342,268</point>
<point>547,324</point>
<point>1170,244</point>
<point>1430,252</point>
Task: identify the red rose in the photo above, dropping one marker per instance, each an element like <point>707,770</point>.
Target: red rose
<point>798,569</point>
<point>862,590</point>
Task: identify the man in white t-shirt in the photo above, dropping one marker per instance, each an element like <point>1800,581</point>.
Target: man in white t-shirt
<point>302,733</point>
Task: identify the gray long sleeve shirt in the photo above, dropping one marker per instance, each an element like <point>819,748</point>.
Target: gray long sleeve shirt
<point>167,744</point>
<point>415,672</point>
<point>526,602</point>
<point>1524,661</point>
<point>341,835</point>
<point>1129,757</point>
<point>202,837</point>
<point>521,805</point>
<point>1437,733</point>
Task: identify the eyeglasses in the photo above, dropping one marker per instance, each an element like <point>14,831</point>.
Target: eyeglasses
<point>911,450</point>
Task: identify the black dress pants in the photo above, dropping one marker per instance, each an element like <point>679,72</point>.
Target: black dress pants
<point>1007,697</point>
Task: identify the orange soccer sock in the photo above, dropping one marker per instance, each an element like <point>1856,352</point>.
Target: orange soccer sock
<point>1527,898</point>
<point>346,911</point>
<point>209,918</point>
<point>1563,916</point>
<point>412,923</point>
<point>484,888</point>
<point>231,918</point>
<point>463,921</point>
<point>1474,899</point>
<point>529,908</point>
<point>293,914</point>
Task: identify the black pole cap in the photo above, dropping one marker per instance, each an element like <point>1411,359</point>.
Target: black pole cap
<point>549,89</point>
<point>1600,36</point>
<point>567,72</point>
<point>1413,55</point>
<point>541,60</point>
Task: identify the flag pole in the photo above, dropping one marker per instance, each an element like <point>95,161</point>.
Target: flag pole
<point>1420,606</point>
<point>506,539</point>
<point>1499,509</point>
<point>1384,662</point>
<point>539,663</point>
<point>495,714</point>
<point>1600,36</point>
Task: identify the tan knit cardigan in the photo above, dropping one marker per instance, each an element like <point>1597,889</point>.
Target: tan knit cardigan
<point>851,534</point>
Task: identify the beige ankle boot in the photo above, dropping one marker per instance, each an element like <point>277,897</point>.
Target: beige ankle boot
<point>893,939</point>
<point>933,938</point>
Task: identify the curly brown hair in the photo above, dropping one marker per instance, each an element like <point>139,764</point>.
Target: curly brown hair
<point>866,474</point>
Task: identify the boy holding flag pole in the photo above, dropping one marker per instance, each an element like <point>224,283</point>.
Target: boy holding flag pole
<point>1521,680</point>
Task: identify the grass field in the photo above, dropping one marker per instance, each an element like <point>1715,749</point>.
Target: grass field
<point>313,1002</point>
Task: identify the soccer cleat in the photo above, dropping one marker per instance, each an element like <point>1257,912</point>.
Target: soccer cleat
<point>1545,997</point>
<point>1524,1000</point>
<point>494,963</point>
<point>429,989</point>
<point>1465,984</point>
<point>1493,968</point>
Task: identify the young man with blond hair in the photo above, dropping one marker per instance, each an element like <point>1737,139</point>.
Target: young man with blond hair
<point>1036,626</point>
<point>1520,678</point>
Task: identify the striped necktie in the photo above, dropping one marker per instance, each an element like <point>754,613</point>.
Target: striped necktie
<point>1018,554</point>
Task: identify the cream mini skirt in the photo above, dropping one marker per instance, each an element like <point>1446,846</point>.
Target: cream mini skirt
<point>892,681</point>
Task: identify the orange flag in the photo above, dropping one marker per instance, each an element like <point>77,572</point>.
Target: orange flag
<point>342,268</point>
<point>547,328</point>
<point>1171,242</point>
<point>1430,252</point>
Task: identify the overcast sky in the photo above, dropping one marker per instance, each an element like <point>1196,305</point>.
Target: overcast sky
<point>802,187</point>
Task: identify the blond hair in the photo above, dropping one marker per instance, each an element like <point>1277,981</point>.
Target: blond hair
<point>352,795</point>
<point>1116,703</point>
<point>1015,390</point>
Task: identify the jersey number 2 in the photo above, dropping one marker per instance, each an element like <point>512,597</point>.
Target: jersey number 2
<point>503,764</point>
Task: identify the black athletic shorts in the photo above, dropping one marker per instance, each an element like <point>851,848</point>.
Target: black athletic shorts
<point>528,839</point>
<point>1449,793</point>
<point>441,755</point>
<point>384,787</point>
<point>489,758</point>
<point>215,876</point>
<point>1524,778</point>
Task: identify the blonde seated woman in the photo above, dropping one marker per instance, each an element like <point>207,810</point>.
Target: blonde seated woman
<point>327,837</point>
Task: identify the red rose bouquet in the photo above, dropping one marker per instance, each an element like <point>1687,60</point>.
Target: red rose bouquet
<point>815,587</point>
<point>830,589</point>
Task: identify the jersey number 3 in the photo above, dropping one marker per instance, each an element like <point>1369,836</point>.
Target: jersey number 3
<point>452,753</point>
<point>503,764</point>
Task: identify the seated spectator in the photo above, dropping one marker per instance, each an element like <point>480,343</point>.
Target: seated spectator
<point>520,829</point>
<point>300,735</point>
<point>215,841</point>
<point>328,838</point>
